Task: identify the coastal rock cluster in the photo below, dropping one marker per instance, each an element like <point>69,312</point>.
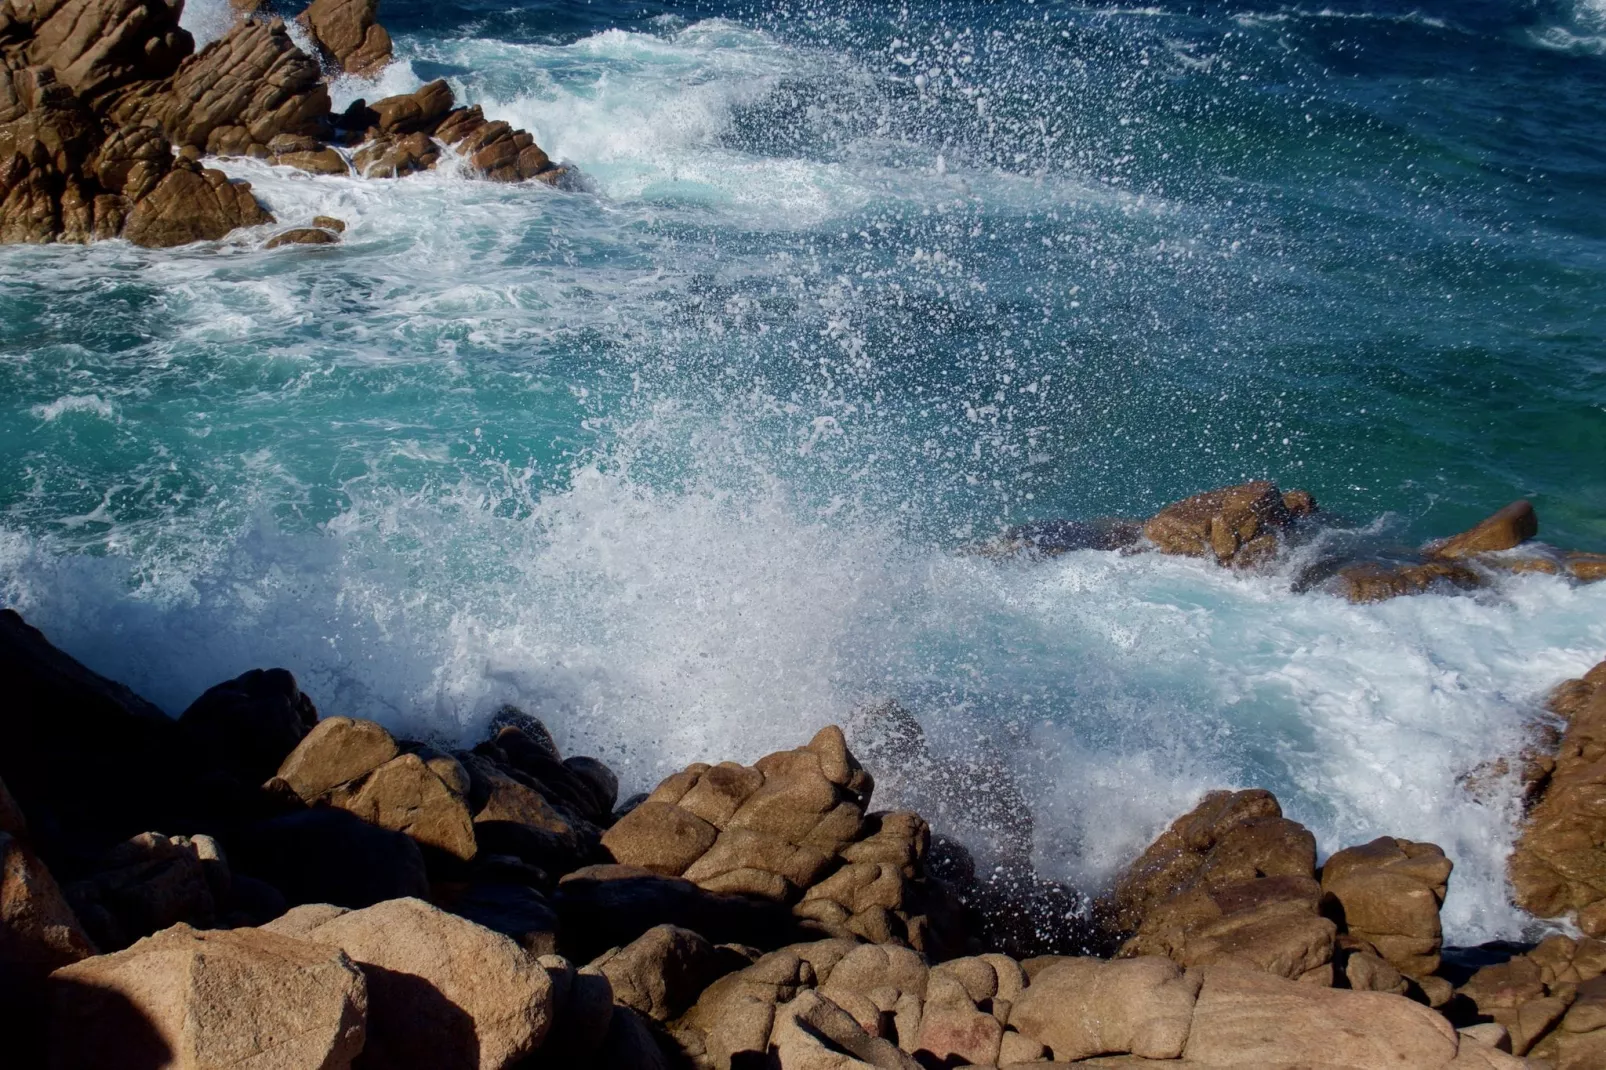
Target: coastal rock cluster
<point>254,883</point>
<point>106,111</point>
<point>1252,525</point>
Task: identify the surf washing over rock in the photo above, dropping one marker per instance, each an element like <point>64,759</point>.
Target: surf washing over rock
<point>871,434</point>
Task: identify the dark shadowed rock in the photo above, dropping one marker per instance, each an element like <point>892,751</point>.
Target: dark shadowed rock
<point>514,910</point>
<point>327,855</point>
<point>249,725</point>
<point>148,884</point>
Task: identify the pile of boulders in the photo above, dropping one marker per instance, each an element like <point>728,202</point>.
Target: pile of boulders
<point>252,883</point>
<point>1252,525</point>
<point>106,110</point>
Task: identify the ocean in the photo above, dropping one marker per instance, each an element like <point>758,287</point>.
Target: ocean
<point>683,460</point>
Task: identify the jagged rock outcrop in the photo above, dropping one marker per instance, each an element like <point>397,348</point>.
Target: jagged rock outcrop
<point>95,96</point>
<point>1550,1002</point>
<point>1238,526</point>
<point>1559,864</point>
<point>348,33</point>
<point>793,829</point>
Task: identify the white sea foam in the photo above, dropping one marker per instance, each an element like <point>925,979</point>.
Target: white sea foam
<point>85,403</point>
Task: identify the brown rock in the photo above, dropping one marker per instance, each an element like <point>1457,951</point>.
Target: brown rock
<point>175,999</point>
<point>734,1016</point>
<point>349,34</point>
<point>329,222</point>
<point>405,795</point>
<point>38,930</point>
<point>459,124</point>
<point>1586,568</point>
<point>444,993</point>
<point>189,206</point>
<point>396,156</point>
<point>1220,523</point>
<point>662,972</point>
<point>253,78</point>
<point>337,751</point>
<point>1249,1018</point>
<point>306,154</point>
<point>1267,923</point>
<point>1510,527</point>
<point>411,112</point>
<point>812,1033</point>
<point>954,1032</point>
<point>97,45</point>
<point>1377,583</point>
<point>1388,893</point>
<point>1080,1007</point>
<point>660,837</point>
<point>301,236</point>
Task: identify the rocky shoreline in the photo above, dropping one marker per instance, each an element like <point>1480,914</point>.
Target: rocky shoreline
<point>253,883</point>
<point>107,109</point>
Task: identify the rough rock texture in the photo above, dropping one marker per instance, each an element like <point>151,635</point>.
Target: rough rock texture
<point>792,829</point>
<point>662,971</point>
<point>349,34</point>
<point>1559,864</point>
<point>1388,893</point>
<point>95,95</point>
<point>1249,1018</point>
<point>1551,1002</point>
<point>175,999</point>
<point>1236,526</point>
<point>191,204</point>
<point>302,236</point>
<point>1266,923</point>
<point>1378,583</point>
<point>1081,1007</point>
<point>444,993</point>
<point>1228,837</point>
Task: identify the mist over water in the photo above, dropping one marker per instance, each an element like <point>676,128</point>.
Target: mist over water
<point>680,461</point>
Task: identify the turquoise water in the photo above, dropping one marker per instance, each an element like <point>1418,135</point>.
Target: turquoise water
<point>679,461</point>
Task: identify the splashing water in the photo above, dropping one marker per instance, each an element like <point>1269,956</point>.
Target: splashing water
<point>680,462</point>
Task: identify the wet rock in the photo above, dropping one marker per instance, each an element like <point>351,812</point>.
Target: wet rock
<point>1234,526</point>
<point>301,236</point>
<point>1510,527</point>
<point>500,153</point>
<point>174,999</point>
<point>1251,1018</point>
<point>391,156</point>
<point>1388,893</point>
<point>1586,568</point>
<point>1050,538</point>
<point>249,725</point>
<point>1558,866</point>
<point>412,112</point>
<point>1378,583</point>
<point>193,205</point>
<point>349,34</point>
<point>306,154</point>
<point>443,993</point>
<point>328,222</point>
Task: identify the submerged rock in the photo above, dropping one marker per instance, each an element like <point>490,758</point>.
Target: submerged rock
<point>302,236</point>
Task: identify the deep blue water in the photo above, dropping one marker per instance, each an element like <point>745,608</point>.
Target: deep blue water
<point>679,460</point>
